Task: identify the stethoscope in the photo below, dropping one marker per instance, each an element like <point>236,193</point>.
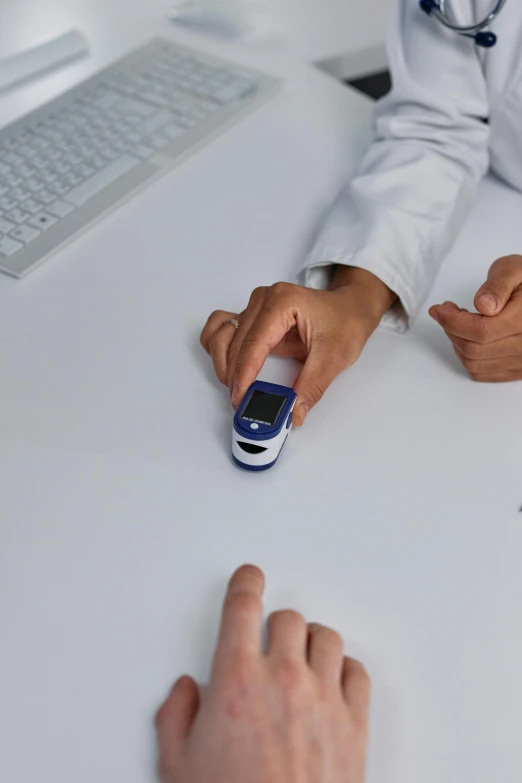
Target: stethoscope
<point>486,38</point>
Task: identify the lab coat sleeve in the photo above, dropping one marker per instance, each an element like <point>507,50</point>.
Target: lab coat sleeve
<point>400,214</point>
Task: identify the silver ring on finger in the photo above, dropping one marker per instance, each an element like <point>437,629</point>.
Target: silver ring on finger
<point>233,321</point>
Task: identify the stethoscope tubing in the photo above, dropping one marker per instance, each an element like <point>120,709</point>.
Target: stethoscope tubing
<point>442,15</point>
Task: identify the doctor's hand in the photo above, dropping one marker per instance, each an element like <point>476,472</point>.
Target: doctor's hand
<point>297,713</point>
<point>326,330</point>
<point>489,343</point>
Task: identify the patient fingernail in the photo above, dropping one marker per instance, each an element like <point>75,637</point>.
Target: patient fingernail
<point>488,300</point>
<point>434,314</point>
<point>303,412</point>
<point>235,392</point>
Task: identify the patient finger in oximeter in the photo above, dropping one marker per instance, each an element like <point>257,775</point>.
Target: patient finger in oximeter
<point>261,425</point>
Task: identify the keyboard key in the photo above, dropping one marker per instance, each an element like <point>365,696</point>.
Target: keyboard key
<point>6,226</point>
<point>187,122</point>
<point>19,194</point>
<point>40,142</point>
<point>107,100</point>
<point>172,132</point>
<point>12,159</point>
<point>130,106</point>
<point>32,206</point>
<point>134,138</point>
<point>46,197</point>
<point>7,203</point>
<point>158,142</point>
<point>12,180</point>
<point>11,144</point>
<point>103,179</point>
<point>49,176</point>
<point>43,221</point>
<point>97,162</point>
<point>72,159</point>
<point>207,107</point>
<point>110,154</point>
<point>61,168</point>
<point>9,247</point>
<point>25,234</point>
<point>59,209</point>
<point>85,171</point>
<point>60,187</point>
<point>228,94</point>
<point>34,185</point>
<point>143,152</point>
<point>72,180</point>
<point>38,162</point>
<point>17,215</point>
<point>155,121</point>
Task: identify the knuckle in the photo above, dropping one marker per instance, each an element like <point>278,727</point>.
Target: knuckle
<point>315,392</point>
<point>214,340</point>
<point>216,316</point>
<point>483,331</point>
<point>253,337</point>
<point>500,289</point>
<point>241,674</point>
<point>257,295</point>
<point>328,637</point>
<point>288,674</point>
<point>242,603</point>
<point>506,263</point>
<point>282,290</point>
<point>333,639</point>
<point>289,616</point>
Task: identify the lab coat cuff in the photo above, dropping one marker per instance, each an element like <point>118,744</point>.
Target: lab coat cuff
<point>317,273</point>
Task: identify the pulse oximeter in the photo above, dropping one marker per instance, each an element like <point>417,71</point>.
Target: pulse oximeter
<point>261,425</point>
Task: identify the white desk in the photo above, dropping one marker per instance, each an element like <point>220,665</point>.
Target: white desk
<point>318,31</point>
<point>393,514</point>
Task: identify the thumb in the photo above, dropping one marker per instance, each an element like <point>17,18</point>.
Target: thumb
<point>175,717</point>
<point>319,370</point>
<point>504,277</point>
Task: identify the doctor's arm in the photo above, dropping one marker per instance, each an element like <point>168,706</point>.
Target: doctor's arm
<point>381,244</point>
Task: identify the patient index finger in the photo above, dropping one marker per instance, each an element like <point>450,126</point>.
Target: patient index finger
<point>241,620</point>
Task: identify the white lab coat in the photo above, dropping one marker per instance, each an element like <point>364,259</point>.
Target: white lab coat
<point>401,213</point>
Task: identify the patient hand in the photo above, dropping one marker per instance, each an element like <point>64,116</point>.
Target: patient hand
<point>489,343</point>
<point>295,714</point>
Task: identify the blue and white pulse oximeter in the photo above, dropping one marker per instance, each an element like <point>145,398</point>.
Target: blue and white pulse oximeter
<point>261,425</point>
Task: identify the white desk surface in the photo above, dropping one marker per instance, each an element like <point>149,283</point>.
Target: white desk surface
<point>314,30</point>
<point>393,515</point>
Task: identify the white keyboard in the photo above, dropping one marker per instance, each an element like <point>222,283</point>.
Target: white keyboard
<point>67,164</point>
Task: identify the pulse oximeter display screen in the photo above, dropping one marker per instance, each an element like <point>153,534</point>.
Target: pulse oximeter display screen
<point>263,407</point>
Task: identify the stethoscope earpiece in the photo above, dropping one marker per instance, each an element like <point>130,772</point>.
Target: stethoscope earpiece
<point>486,39</point>
<point>428,6</point>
